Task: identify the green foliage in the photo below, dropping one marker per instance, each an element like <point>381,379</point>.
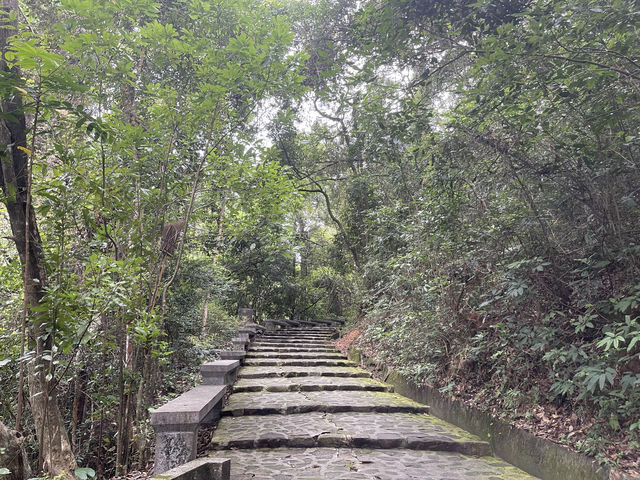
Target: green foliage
<point>146,123</point>
<point>460,177</point>
<point>482,159</point>
<point>84,473</point>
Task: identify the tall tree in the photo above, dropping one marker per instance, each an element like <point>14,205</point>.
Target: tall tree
<point>56,457</point>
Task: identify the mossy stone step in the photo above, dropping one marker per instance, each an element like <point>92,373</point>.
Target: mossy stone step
<point>291,349</point>
<point>294,362</point>
<point>359,464</point>
<point>301,339</point>
<point>299,355</point>
<point>295,340</point>
<point>269,343</point>
<point>296,371</point>
<point>310,384</point>
<point>346,430</point>
<point>327,402</point>
<point>286,331</point>
<point>297,335</point>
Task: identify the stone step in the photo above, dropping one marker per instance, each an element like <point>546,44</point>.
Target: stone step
<point>310,384</point>
<point>284,339</point>
<point>309,338</point>
<point>329,402</point>
<point>298,355</point>
<point>291,349</point>
<point>305,330</point>
<point>295,362</point>
<point>294,371</point>
<point>269,343</point>
<point>279,338</point>
<point>291,331</point>
<point>346,430</point>
<point>368,464</point>
<point>284,333</point>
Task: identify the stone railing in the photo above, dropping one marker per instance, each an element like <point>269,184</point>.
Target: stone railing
<point>245,334</point>
<point>176,423</point>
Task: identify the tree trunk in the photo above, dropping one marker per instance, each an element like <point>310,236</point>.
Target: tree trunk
<point>55,449</point>
<point>12,455</point>
<point>205,316</point>
<point>79,406</point>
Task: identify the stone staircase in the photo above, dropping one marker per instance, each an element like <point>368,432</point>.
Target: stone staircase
<point>300,410</point>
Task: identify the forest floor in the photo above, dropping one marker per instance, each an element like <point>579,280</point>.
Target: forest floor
<point>560,425</point>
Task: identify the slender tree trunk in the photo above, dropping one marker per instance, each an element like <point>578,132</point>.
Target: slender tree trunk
<point>79,401</point>
<point>216,255</point>
<point>205,316</point>
<point>55,448</point>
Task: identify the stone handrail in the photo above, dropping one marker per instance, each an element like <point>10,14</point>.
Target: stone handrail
<point>220,372</point>
<point>176,424</point>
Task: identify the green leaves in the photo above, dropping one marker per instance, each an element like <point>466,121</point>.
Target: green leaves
<point>84,473</point>
<point>27,53</point>
<point>611,340</point>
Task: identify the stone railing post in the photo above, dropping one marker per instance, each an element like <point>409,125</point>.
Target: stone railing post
<point>246,314</point>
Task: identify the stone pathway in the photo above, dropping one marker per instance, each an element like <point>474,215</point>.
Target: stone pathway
<point>300,410</point>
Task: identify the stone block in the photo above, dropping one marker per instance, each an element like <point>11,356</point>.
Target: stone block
<point>200,469</point>
<point>176,424</point>
<point>239,343</point>
<point>233,354</point>
<point>220,372</point>
<point>249,331</point>
<point>255,326</point>
<point>246,314</point>
<point>243,335</point>
<point>190,408</point>
<point>174,448</point>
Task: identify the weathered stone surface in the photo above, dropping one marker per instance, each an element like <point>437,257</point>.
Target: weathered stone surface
<point>290,343</point>
<point>351,464</point>
<point>233,354</point>
<point>299,333</point>
<point>176,424</point>
<point>320,338</point>
<point>300,402</point>
<point>219,372</point>
<point>309,384</point>
<point>192,407</point>
<point>294,330</point>
<point>296,371</point>
<point>201,469</point>
<point>298,362</point>
<point>254,348</point>
<point>300,411</point>
<point>175,448</point>
<point>297,355</point>
<point>351,430</point>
